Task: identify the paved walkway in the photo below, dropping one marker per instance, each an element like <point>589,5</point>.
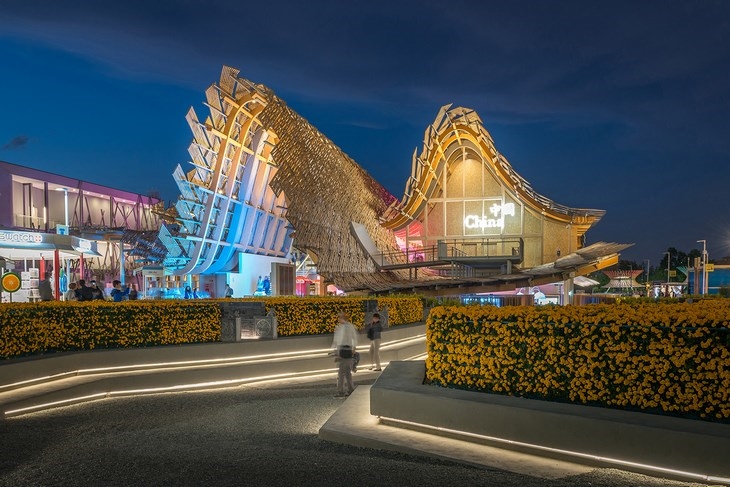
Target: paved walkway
<point>261,434</point>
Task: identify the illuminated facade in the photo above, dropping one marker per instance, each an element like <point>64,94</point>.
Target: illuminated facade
<point>463,191</point>
<point>264,180</point>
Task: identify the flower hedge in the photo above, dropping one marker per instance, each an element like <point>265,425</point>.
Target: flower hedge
<point>58,326</point>
<point>316,315</point>
<point>29,328</point>
<point>665,358</point>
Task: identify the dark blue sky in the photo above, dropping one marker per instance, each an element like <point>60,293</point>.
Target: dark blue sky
<point>622,106</point>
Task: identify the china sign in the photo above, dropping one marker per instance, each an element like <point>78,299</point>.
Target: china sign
<point>495,218</point>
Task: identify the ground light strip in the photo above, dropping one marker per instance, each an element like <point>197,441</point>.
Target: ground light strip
<point>589,456</point>
<point>302,354</point>
<point>178,387</point>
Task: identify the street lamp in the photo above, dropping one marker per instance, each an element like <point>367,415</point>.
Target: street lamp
<point>646,276</point>
<point>669,256</point>
<point>704,265</point>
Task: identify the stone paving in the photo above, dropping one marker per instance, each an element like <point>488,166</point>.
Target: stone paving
<point>264,434</point>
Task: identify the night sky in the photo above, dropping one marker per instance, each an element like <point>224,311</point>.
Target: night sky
<point>622,106</point>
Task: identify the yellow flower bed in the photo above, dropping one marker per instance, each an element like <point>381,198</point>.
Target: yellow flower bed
<point>58,326</point>
<point>316,315</point>
<point>670,358</point>
<point>27,328</point>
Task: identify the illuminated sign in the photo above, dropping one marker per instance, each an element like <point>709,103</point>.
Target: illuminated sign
<point>20,238</point>
<point>83,245</point>
<point>494,220</point>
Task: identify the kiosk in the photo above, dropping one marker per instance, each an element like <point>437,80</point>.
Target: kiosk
<point>34,255</point>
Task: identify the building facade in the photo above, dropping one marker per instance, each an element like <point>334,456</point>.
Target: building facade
<point>266,190</point>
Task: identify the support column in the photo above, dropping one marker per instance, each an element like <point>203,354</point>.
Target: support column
<point>56,272</point>
<point>568,291</point>
<point>121,262</point>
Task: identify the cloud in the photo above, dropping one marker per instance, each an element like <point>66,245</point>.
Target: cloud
<point>17,142</point>
<point>624,91</point>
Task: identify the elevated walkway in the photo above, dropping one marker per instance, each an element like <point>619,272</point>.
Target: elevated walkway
<point>34,384</point>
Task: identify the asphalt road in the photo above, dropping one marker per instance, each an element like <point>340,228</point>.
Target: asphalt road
<point>261,435</point>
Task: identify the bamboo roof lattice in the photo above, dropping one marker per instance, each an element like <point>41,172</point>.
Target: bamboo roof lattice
<point>253,150</point>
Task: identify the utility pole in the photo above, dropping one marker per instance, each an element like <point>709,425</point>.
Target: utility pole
<point>704,266</point>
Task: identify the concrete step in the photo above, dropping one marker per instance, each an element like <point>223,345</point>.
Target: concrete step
<point>652,444</point>
<point>62,379</point>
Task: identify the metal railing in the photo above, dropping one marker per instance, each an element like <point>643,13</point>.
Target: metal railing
<point>509,248</point>
<point>451,251</point>
<point>34,222</point>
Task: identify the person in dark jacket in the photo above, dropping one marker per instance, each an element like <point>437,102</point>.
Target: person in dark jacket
<point>373,331</point>
<point>83,291</point>
<point>96,291</point>
<point>45,289</point>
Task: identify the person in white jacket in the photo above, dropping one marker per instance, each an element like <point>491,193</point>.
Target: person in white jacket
<point>344,345</point>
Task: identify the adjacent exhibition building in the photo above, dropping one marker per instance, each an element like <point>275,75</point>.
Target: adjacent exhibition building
<point>69,229</point>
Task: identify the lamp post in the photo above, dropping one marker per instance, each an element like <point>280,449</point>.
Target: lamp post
<point>669,256</point>
<point>646,276</point>
<point>704,266</point>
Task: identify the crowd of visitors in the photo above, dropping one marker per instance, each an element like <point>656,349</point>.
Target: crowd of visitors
<point>93,291</point>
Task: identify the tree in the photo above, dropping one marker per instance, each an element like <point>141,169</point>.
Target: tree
<point>677,258</point>
<point>628,265</point>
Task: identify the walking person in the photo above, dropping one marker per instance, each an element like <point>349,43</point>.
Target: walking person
<point>229,291</point>
<point>374,330</point>
<point>344,345</point>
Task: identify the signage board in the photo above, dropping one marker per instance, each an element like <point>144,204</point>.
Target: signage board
<point>20,239</point>
<point>10,282</point>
